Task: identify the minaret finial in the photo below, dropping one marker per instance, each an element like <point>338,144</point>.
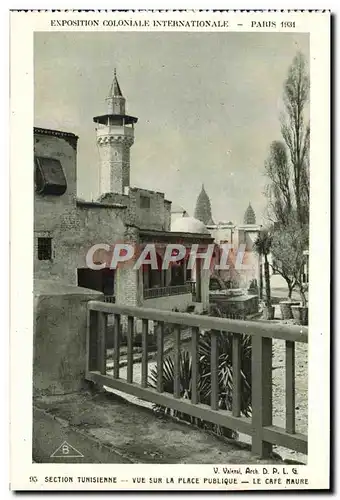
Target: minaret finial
<point>115,72</point>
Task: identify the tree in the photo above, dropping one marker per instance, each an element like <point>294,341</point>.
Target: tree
<point>296,133</point>
<point>287,246</point>
<point>279,189</point>
<point>262,246</point>
<point>287,168</point>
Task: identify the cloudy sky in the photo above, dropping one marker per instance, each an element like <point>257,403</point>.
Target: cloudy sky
<point>208,106</point>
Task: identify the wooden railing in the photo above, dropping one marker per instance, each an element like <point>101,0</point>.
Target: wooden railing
<point>166,291</point>
<point>260,427</point>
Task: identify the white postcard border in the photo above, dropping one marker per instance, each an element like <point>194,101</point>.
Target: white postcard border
<point>21,206</point>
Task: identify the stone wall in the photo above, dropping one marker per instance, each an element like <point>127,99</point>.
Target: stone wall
<point>60,316</point>
<point>129,282</point>
<point>156,216</point>
<point>114,168</point>
<point>74,228</point>
<point>52,212</point>
<point>167,215</point>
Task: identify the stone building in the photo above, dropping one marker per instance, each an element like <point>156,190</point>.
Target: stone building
<point>66,228</point>
<point>240,237</point>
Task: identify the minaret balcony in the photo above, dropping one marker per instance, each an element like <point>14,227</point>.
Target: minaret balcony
<point>112,130</point>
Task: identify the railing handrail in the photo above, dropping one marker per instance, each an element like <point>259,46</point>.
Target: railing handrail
<point>293,333</point>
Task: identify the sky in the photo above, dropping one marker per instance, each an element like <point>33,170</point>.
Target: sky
<point>208,107</point>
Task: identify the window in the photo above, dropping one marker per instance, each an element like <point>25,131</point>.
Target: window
<point>44,248</point>
<point>49,176</point>
<point>144,202</point>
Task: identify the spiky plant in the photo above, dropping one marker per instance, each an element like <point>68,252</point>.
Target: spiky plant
<point>168,383</point>
<point>225,370</point>
<point>225,379</point>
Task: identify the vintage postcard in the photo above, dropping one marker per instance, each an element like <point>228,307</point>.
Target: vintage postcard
<point>170,220</point>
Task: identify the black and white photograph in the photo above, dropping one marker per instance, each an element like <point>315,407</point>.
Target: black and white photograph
<point>174,216</point>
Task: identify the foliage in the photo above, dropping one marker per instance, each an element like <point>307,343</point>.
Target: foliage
<point>185,385</point>
<point>262,247</point>
<point>225,370</point>
<point>288,244</point>
<point>225,378</point>
<point>279,189</point>
<point>296,133</point>
<point>262,244</point>
<point>287,169</point>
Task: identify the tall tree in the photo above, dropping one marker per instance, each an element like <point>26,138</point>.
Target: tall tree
<point>279,193</point>
<point>287,169</point>
<point>296,133</point>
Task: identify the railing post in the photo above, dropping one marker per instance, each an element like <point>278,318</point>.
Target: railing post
<point>101,341</point>
<point>194,365</point>
<point>91,341</point>
<point>145,331</point>
<point>177,361</point>
<point>290,387</point>
<point>160,352</point>
<point>261,393</point>
<point>214,355</point>
<point>237,381</point>
<point>116,346</point>
<point>129,374</point>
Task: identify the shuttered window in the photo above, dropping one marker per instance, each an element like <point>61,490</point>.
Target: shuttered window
<point>49,176</point>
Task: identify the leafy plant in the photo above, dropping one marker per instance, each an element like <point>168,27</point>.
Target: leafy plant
<point>225,370</point>
<point>225,378</point>
<point>288,245</point>
<point>168,383</point>
<point>262,247</point>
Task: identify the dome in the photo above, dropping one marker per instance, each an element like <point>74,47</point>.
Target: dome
<point>249,215</point>
<point>189,225</point>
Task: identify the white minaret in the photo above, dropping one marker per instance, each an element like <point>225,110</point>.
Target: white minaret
<point>115,136</point>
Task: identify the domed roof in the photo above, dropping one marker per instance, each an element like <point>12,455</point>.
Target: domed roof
<point>189,225</point>
<point>249,215</point>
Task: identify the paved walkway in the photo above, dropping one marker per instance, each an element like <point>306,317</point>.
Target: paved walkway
<point>136,435</point>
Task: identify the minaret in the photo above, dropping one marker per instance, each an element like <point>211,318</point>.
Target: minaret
<point>115,136</point>
<point>203,208</point>
<point>249,215</point>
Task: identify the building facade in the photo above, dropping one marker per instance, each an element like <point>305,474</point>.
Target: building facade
<point>67,228</point>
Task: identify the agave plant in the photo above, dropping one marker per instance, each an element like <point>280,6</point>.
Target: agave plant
<point>168,383</point>
<point>225,370</point>
<point>225,378</point>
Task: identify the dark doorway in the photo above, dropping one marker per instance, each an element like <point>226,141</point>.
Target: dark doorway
<point>101,280</point>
